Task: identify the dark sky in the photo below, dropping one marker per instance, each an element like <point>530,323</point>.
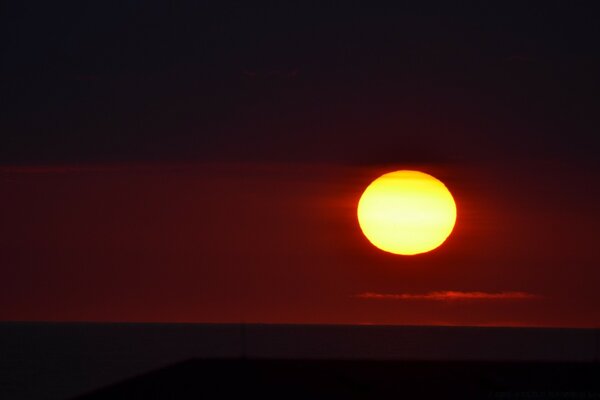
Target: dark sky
<point>178,161</point>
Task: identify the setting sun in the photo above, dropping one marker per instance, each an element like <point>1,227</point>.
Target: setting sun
<point>406,212</point>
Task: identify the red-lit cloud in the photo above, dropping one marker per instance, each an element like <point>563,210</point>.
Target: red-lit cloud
<point>449,295</point>
<point>66,169</point>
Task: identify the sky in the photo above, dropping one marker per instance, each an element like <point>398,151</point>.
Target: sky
<point>180,162</point>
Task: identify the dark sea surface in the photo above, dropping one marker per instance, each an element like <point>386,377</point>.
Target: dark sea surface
<point>65,360</point>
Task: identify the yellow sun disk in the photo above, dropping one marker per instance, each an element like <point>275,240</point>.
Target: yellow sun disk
<point>406,212</point>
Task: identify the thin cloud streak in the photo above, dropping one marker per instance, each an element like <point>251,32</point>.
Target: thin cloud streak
<point>449,295</point>
<point>68,169</point>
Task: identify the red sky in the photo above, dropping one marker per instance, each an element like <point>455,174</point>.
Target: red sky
<point>280,243</point>
<point>187,161</point>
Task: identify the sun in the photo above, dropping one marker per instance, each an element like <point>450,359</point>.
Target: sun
<point>406,212</point>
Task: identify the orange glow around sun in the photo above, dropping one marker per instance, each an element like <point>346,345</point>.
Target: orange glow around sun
<point>406,212</point>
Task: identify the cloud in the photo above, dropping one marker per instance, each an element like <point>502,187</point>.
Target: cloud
<point>278,74</point>
<point>69,169</point>
<point>49,169</point>
<point>449,295</point>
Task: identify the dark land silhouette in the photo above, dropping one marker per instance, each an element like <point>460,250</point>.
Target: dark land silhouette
<point>354,379</point>
<point>124,360</point>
